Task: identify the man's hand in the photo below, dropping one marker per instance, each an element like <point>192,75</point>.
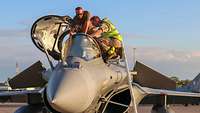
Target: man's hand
<point>67,18</point>
<point>106,42</point>
<point>71,33</point>
<point>93,35</point>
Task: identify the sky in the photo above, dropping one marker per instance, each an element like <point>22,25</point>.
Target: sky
<point>165,32</point>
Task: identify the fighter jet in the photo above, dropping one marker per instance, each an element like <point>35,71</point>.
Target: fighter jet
<point>79,81</point>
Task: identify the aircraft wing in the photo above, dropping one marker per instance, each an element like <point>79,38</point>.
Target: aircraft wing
<point>160,96</point>
<point>170,92</point>
<point>30,77</point>
<point>21,96</point>
<point>21,84</point>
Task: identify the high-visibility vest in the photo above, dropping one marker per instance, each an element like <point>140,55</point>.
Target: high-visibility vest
<point>113,32</point>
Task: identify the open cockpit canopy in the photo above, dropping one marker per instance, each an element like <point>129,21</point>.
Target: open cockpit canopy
<point>50,32</point>
<point>47,32</point>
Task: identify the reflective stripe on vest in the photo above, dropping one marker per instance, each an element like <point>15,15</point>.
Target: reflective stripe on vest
<point>113,32</point>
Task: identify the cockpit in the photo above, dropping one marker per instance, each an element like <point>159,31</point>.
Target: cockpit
<point>50,33</point>
<point>82,46</point>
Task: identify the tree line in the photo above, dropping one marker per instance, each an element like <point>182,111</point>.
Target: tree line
<point>180,83</point>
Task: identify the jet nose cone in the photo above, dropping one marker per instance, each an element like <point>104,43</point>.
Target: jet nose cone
<point>71,90</point>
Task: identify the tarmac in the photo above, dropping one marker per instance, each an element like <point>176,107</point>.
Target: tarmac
<point>175,108</point>
<point>11,107</point>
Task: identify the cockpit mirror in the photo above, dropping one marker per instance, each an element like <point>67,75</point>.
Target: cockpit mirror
<point>47,31</point>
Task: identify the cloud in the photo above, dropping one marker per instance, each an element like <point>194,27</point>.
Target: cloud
<point>137,36</point>
<point>25,55</point>
<point>10,33</point>
<point>19,52</point>
<point>26,22</point>
<point>184,64</point>
<point>196,54</point>
<point>23,29</point>
<point>158,54</point>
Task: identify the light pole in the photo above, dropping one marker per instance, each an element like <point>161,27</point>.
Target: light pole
<point>134,56</point>
<point>134,72</point>
<point>17,68</point>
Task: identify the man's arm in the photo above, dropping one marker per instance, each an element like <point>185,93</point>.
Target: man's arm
<point>97,33</point>
<point>86,26</point>
<point>102,29</point>
<point>87,22</point>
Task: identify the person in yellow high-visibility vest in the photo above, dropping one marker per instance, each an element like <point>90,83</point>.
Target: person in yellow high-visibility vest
<point>108,36</point>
